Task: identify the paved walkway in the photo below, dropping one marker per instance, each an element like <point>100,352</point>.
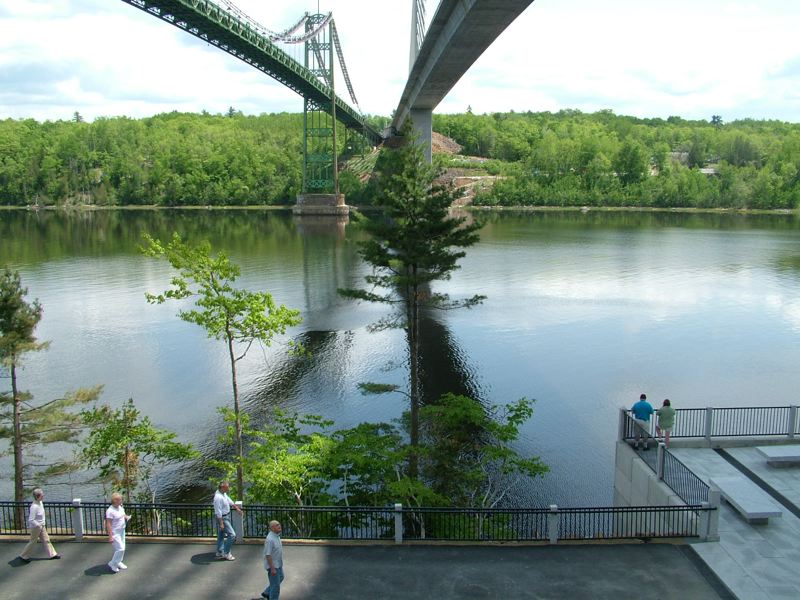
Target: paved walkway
<point>161,570</point>
<point>755,562</point>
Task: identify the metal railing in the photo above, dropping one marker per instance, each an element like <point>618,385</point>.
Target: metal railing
<point>710,422</point>
<point>681,479</point>
<point>736,422</point>
<point>396,523</point>
<point>669,469</point>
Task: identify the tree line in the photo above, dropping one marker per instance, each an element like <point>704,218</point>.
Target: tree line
<point>173,159</point>
<point>568,158</point>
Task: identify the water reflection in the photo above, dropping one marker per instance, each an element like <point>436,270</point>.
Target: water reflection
<point>584,312</point>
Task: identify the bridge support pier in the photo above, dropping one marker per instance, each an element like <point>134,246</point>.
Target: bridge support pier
<point>422,118</point>
<point>321,204</point>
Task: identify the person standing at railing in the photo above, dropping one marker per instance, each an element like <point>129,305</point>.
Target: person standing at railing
<point>116,521</point>
<point>666,421</point>
<point>273,561</point>
<point>641,416</point>
<point>226,534</point>
<point>38,530</point>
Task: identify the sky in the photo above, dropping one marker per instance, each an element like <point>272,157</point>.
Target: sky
<point>690,58</point>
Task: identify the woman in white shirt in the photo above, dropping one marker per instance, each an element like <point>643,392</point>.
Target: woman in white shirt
<point>116,520</point>
<point>38,530</point>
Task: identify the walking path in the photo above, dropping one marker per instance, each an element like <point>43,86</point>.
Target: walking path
<point>750,562</point>
<point>167,570</point>
<point>755,562</point>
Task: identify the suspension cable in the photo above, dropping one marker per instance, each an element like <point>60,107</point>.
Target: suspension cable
<point>289,36</point>
<point>338,46</point>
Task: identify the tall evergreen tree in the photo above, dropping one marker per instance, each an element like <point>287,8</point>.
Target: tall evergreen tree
<point>413,242</point>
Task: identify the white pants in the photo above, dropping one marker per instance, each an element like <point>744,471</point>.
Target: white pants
<point>118,543</point>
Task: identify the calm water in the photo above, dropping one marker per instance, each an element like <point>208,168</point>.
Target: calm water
<point>584,312</point>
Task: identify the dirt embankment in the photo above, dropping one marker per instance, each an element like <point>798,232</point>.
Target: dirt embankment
<point>467,181</point>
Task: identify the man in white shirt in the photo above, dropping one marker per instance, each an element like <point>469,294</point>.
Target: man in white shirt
<point>226,535</point>
<point>38,530</point>
<point>273,561</point>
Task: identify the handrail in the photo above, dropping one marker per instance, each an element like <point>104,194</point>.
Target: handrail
<point>398,523</point>
<point>712,422</point>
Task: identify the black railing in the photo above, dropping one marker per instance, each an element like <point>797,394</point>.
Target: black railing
<point>683,481</point>
<point>689,422</point>
<point>628,522</point>
<point>372,523</point>
<point>474,524</point>
<point>14,518</point>
<point>754,421</point>
<point>730,422</point>
<point>155,520</point>
<point>322,522</point>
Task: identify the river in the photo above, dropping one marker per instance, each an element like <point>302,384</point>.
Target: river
<point>584,311</point>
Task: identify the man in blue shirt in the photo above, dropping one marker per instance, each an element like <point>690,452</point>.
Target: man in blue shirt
<point>641,416</point>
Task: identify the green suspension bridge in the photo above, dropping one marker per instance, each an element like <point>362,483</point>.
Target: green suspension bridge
<point>304,59</point>
<point>223,25</point>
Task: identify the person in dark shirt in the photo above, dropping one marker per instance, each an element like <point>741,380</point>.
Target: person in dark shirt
<point>642,411</point>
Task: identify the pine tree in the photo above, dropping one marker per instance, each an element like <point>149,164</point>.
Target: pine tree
<point>412,243</point>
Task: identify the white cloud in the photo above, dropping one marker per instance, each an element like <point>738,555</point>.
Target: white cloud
<point>696,58</point>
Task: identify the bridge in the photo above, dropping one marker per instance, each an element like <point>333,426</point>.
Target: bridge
<point>459,33</point>
<point>303,57</point>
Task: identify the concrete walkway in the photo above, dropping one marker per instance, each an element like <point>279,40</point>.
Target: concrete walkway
<point>755,562</point>
<point>164,570</point>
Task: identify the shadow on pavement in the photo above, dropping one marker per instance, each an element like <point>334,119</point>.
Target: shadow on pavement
<point>16,562</point>
<point>98,570</point>
<point>204,558</point>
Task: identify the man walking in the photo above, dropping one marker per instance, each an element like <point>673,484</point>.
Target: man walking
<point>226,535</point>
<point>641,416</point>
<point>273,561</point>
<point>38,530</point>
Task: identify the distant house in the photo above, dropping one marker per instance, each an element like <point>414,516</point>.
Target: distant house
<point>679,157</point>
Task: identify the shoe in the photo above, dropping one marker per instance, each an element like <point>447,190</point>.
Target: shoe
<point>122,566</point>
<point>218,555</point>
<point>113,568</point>
<point>229,557</point>
<point>25,560</point>
<point>56,557</point>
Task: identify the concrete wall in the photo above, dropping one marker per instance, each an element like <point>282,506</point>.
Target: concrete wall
<point>635,484</point>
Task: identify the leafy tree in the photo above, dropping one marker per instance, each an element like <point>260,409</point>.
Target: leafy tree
<point>27,423</point>
<point>286,460</point>
<point>412,244</point>
<point>716,121</point>
<point>466,457</point>
<point>127,447</point>
<point>237,317</point>
<point>632,163</point>
<point>470,456</point>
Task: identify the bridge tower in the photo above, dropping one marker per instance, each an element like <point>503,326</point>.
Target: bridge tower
<point>320,194</point>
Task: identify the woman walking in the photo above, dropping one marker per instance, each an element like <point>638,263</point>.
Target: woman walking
<point>38,530</point>
<point>116,519</point>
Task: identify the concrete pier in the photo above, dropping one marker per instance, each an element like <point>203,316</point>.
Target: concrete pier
<point>321,204</point>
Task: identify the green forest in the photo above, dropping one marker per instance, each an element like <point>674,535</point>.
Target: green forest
<point>567,158</point>
<point>574,159</point>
